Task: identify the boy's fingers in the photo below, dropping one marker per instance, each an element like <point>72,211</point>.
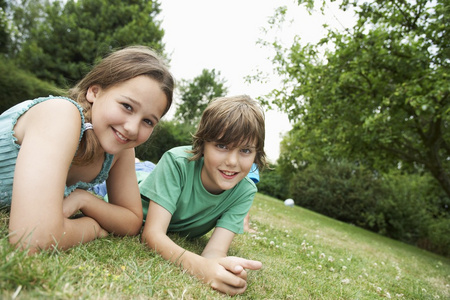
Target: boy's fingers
<point>245,263</point>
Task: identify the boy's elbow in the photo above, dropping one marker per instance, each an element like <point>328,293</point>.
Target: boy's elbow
<point>149,238</point>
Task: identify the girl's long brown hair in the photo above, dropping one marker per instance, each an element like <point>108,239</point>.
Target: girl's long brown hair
<point>118,67</point>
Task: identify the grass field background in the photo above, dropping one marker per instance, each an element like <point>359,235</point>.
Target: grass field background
<point>305,256</point>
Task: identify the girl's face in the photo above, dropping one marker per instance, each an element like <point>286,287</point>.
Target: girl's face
<point>225,165</point>
<point>124,115</point>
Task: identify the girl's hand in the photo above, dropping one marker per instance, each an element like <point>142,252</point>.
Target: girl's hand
<point>73,203</point>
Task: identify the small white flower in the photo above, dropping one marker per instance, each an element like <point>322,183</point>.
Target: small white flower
<point>379,290</point>
<point>344,268</point>
<point>330,258</point>
<point>272,243</point>
<point>388,295</point>
<point>322,255</point>
<point>375,264</point>
<point>397,277</point>
<point>319,267</point>
<point>345,281</point>
<point>399,295</point>
<point>331,269</point>
<point>424,290</point>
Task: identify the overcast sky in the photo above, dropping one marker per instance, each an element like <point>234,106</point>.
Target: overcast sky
<point>222,35</point>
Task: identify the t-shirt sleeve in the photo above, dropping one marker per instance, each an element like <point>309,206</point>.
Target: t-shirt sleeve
<point>233,218</point>
<point>164,184</point>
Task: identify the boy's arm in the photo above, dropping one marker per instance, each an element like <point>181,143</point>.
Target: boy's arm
<point>219,243</point>
<point>223,274</point>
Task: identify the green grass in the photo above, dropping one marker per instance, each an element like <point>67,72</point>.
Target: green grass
<point>305,256</point>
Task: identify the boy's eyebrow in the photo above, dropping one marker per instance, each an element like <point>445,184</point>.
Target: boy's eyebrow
<point>136,103</point>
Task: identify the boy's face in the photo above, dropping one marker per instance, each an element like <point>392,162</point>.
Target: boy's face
<point>225,165</point>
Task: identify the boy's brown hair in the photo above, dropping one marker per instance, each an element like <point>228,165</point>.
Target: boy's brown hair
<point>237,120</point>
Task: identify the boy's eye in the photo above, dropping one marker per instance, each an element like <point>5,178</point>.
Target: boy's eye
<point>221,146</point>
<point>246,151</point>
<point>148,122</point>
<point>126,106</point>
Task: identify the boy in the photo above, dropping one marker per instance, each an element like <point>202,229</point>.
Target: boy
<point>194,189</point>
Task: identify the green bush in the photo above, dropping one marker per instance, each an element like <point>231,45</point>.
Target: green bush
<point>273,184</point>
<point>341,190</point>
<point>408,207</point>
<point>17,85</point>
<point>166,135</point>
<point>416,211</point>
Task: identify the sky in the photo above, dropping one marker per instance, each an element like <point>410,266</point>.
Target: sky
<point>223,35</point>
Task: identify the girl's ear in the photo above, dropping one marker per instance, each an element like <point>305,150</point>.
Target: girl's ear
<point>92,93</point>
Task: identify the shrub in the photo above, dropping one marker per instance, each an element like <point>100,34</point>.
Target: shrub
<point>408,207</point>
<point>17,85</point>
<point>340,190</point>
<point>273,184</point>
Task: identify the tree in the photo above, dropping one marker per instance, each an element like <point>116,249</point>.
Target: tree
<point>196,94</point>
<point>4,30</point>
<point>378,93</point>
<point>63,40</point>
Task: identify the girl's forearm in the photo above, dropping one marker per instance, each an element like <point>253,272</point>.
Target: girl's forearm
<point>113,218</point>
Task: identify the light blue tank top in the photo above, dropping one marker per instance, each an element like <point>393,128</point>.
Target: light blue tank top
<point>9,150</point>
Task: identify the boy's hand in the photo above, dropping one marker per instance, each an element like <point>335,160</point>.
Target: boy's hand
<point>227,274</point>
<point>237,265</point>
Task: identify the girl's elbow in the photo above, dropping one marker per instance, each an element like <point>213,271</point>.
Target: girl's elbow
<point>40,238</point>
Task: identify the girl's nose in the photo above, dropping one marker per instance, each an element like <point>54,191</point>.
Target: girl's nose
<point>132,128</point>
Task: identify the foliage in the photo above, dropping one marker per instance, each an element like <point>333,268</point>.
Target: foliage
<point>17,85</point>
<point>407,207</point>
<point>167,134</point>
<point>341,190</point>
<point>59,41</point>
<point>272,183</point>
<point>304,255</point>
<point>4,30</point>
<point>196,94</point>
<point>377,93</point>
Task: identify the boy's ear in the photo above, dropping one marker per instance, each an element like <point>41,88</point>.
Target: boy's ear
<point>92,93</point>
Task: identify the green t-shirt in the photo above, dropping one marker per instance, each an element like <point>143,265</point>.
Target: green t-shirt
<point>175,184</point>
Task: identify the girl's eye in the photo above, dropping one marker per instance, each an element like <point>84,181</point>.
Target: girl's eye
<point>127,106</point>
<point>221,146</point>
<point>148,122</point>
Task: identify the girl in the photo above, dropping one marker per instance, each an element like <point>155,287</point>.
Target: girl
<point>55,148</point>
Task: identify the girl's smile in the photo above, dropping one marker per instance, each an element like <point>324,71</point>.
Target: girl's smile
<point>124,115</point>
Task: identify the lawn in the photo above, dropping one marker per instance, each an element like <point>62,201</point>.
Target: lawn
<point>305,256</point>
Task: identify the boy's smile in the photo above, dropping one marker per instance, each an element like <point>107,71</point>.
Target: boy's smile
<point>225,166</point>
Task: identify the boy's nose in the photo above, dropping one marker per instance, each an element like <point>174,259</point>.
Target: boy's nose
<point>232,158</point>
